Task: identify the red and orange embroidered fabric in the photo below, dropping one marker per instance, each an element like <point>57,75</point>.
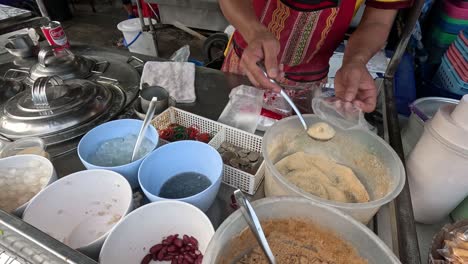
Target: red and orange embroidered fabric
<point>307,38</point>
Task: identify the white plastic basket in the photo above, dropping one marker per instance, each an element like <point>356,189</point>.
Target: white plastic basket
<point>221,133</point>
<point>245,181</point>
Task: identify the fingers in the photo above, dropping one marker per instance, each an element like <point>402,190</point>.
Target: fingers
<point>366,99</point>
<point>270,50</point>
<point>250,57</point>
<point>352,80</point>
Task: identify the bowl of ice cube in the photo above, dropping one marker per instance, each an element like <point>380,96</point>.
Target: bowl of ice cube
<point>110,146</point>
<point>22,177</point>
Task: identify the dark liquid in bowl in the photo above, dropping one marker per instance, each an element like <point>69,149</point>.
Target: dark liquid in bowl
<point>184,185</point>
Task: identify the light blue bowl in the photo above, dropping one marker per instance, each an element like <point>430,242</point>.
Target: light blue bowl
<point>114,129</point>
<point>178,157</point>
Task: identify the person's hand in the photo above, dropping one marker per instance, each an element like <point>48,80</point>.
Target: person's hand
<point>354,84</point>
<point>264,46</point>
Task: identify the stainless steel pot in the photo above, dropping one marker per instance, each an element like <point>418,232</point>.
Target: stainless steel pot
<point>58,110</point>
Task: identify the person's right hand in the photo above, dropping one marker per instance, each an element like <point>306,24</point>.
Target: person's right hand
<point>264,46</point>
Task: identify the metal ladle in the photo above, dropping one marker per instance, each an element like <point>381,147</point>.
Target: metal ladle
<point>284,95</point>
<point>144,127</point>
<point>254,224</point>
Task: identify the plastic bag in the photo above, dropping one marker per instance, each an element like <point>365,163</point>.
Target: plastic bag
<point>181,55</point>
<point>243,108</point>
<point>340,114</point>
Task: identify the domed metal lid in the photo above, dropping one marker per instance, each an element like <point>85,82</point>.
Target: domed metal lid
<point>63,63</point>
<point>53,105</point>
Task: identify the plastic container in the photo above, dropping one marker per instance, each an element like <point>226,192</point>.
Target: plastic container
<point>352,148</point>
<point>422,110</point>
<point>145,227</point>
<point>92,200</point>
<point>178,157</point>
<point>136,40</point>
<point>114,129</point>
<point>30,145</point>
<point>22,161</point>
<point>438,164</point>
<point>367,244</point>
<point>454,11</point>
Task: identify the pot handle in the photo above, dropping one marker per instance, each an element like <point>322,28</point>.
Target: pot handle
<point>16,74</point>
<point>98,65</point>
<point>140,63</point>
<point>47,52</point>
<point>38,90</point>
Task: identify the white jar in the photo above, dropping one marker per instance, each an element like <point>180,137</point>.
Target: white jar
<point>438,165</point>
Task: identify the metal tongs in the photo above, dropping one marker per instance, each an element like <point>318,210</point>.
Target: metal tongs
<point>284,95</point>
<point>254,224</point>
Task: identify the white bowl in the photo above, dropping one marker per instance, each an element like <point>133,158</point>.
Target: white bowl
<point>91,200</point>
<point>131,239</point>
<point>25,161</point>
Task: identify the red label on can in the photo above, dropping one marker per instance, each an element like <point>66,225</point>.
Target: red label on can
<point>55,35</point>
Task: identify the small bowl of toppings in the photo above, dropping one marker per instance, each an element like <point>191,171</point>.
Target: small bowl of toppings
<point>80,209</point>
<point>110,146</point>
<point>21,178</point>
<point>159,232</point>
<point>188,171</point>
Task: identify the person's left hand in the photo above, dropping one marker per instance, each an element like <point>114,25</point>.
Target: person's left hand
<point>353,83</point>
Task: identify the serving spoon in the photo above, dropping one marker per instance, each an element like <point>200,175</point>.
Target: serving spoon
<point>284,95</point>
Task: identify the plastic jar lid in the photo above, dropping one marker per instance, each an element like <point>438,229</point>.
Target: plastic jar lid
<point>30,145</point>
<point>450,124</point>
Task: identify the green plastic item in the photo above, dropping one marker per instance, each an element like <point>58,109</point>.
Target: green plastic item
<point>452,20</point>
<point>441,37</point>
<point>461,212</point>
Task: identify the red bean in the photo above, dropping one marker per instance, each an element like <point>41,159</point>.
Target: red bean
<point>193,241</point>
<point>146,259</point>
<point>156,248</point>
<point>171,248</point>
<point>178,242</point>
<point>199,260</point>
<point>171,239</point>
<point>168,258</point>
<point>197,252</point>
<point>185,262</point>
<point>180,259</point>
<point>186,240</point>
<point>162,253</point>
<point>189,258</point>
<point>174,261</point>
<point>188,248</point>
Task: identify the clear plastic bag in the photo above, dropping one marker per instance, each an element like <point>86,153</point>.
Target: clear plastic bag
<point>339,113</point>
<point>181,55</point>
<point>243,108</point>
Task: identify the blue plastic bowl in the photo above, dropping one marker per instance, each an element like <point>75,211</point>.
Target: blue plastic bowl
<point>114,129</point>
<point>178,157</point>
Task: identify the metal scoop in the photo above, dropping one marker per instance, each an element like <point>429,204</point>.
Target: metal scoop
<point>284,95</point>
<point>144,127</point>
<point>254,224</point>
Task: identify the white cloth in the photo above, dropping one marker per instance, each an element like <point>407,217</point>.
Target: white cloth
<point>178,78</point>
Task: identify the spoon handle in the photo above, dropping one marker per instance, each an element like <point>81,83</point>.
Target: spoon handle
<point>284,95</point>
<point>254,224</point>
<point>144,127</point>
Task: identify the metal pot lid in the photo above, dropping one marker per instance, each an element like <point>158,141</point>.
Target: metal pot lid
<point>53,105</point>
<point>62,63</point>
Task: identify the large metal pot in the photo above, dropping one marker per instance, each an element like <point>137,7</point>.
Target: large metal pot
<point>58,110</point>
